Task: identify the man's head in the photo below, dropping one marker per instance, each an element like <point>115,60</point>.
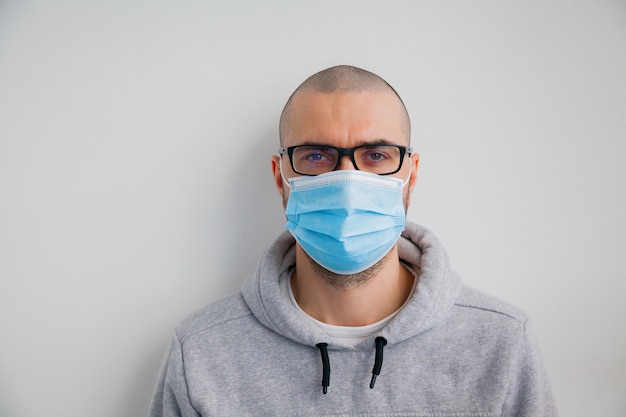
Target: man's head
<point>343,79</point>
<point>344,107</point>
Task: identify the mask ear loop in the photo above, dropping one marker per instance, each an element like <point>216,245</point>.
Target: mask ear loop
<point>281,172</point>
<point>406,181</point>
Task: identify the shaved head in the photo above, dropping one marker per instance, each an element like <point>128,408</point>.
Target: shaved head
<point>343,78</point>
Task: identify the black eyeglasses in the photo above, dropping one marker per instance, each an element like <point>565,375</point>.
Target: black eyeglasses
<point>319,159</point>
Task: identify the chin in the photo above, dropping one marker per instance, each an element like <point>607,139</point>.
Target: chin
<point>347,280</point>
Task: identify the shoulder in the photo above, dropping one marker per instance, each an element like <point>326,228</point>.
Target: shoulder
<point>474,300</point>
<point>221,312</point>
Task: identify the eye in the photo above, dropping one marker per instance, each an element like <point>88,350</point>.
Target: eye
<point>315,156</point>
<point>378,159</point>
<point>314,160</point>
<point>376,156</point>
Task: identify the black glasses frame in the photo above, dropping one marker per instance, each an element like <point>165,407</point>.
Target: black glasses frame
<point>404,150</point>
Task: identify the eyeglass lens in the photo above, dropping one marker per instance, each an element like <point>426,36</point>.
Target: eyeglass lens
<point>377,159</point>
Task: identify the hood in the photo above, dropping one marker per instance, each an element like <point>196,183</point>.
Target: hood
<point>437,289</point>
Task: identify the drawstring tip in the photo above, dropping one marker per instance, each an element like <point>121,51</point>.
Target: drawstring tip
<point>325,366</point>
<point>378,362</point>
<point>373,381</point>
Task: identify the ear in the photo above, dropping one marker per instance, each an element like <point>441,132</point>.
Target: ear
<point>414,161</point>
<point>278,178</point>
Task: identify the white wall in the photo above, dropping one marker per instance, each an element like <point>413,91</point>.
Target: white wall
<point>135,184</point>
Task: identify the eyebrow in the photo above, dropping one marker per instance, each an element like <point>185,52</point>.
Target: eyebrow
<point>364,143</point>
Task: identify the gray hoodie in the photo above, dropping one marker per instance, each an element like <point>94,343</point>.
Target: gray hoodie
<point>450,352</point>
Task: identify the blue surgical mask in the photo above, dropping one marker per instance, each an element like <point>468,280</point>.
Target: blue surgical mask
<point>346,220</point>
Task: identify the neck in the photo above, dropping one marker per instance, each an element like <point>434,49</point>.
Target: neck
<point>356,304</point>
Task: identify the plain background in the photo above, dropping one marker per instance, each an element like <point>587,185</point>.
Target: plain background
<point>135,183</point>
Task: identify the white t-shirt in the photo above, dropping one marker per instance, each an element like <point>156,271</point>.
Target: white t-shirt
<point>347,335</point>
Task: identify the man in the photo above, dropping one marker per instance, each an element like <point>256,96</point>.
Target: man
<point>341,290</point>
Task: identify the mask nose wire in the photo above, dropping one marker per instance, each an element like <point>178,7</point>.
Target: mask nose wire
<point>406,181</point>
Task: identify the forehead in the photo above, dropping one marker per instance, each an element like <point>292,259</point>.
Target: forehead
<point>345,118</point>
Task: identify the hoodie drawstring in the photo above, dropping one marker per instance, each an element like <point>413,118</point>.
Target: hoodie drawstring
<point>378,362</point>
<point>325,366</point>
